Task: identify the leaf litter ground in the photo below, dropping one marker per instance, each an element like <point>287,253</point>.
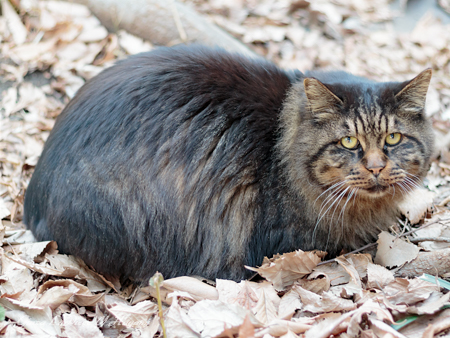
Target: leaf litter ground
<point>48,49</point>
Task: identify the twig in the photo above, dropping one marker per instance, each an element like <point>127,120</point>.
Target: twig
<point>444,202</point>
<point>429,239</point>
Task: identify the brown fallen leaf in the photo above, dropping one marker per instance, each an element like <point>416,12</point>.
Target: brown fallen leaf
<point>178,323</point>
<point>408,291</point>
<point>378,276</point>
<point>327,302</point>
<point>77,326</point>
<point>82,295</point>
<point>318,285</point>
<point>135,316</point>
<point>394,251</point>
<point>211,317</point>
<point>265,310</point>
<point>284,270</point>
<point>336,272</point>
<point>247,330</point>
<point>33,252</point>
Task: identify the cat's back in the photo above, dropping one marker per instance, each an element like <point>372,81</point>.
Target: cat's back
<point>150,96</point>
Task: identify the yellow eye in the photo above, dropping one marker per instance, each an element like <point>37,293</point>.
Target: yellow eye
<point>349,142</point>
<point>393,139</point>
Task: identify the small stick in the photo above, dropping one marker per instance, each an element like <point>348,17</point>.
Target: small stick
<point>430,239</point>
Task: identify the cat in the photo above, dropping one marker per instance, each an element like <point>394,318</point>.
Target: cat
<point>194,161</point>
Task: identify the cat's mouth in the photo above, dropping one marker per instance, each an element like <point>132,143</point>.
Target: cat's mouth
<point>377,189</point>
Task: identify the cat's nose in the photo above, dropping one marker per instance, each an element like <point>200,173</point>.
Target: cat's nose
<point>375,171</point>
<point>375,162</point>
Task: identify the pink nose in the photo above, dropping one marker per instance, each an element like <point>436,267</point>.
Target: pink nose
<point>376,171</point>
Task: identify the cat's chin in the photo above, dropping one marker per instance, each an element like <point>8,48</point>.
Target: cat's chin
<point>376,191</point>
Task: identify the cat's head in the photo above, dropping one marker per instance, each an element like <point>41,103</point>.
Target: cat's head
<point>355,136</point>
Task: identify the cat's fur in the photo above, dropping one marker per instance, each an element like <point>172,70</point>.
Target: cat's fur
<point>190,160</point>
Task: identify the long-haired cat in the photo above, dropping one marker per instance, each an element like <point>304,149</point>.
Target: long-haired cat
<point>194,161</point>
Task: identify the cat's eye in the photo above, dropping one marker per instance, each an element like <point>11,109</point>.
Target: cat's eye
<point>393,139</point>
<point>349,142</point>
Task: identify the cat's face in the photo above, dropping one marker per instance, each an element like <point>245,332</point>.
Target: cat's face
<point>368,139</point>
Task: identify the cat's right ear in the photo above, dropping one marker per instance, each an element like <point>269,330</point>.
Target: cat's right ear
<point>322,102</point>
<point>413,95</point>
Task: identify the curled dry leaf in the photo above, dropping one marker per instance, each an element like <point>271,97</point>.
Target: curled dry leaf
<point>319,285</point>
<point>378,276</point>
<point>192,287</point>
<point>406,291</point>
<point>434,263</point>
<point>136,316</point>
<point>284,270</point>
<point>393,251</point>
<point>327,302</point>
<point>33,252</point>
<point>337,273</point>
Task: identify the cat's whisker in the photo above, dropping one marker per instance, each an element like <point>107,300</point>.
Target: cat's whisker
<point>412,182</point>
<point>345,205</point>
<point>334,185</point>
<point>329,198</point>
<point>324,204</point>
<point>403,189</point>
<point>409,185</point>
<point>412,175</point>
<point>336,203</point>
<point>336,200</point>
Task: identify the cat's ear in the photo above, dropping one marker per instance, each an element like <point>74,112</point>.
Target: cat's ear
<point>413,95</point>
<point>322,101</point>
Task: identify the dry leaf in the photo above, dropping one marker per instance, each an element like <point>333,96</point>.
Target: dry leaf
<point>211,317</point>
<point>76,326</point>
<point>179,324</point>
<point>289,303</point>
<point>247,330</point>
<point>265,310</point>
<point>378,276</point>
<point>136,316</point>
<point>404,291</point>
<point>393,251</point>
<point>325,303</point>
<point>284,270</point>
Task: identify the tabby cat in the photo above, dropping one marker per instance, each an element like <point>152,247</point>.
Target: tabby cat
<point>195,161</point>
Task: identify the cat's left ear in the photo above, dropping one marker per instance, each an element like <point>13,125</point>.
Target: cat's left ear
<point>322,101</point>
<point>413,95</point>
